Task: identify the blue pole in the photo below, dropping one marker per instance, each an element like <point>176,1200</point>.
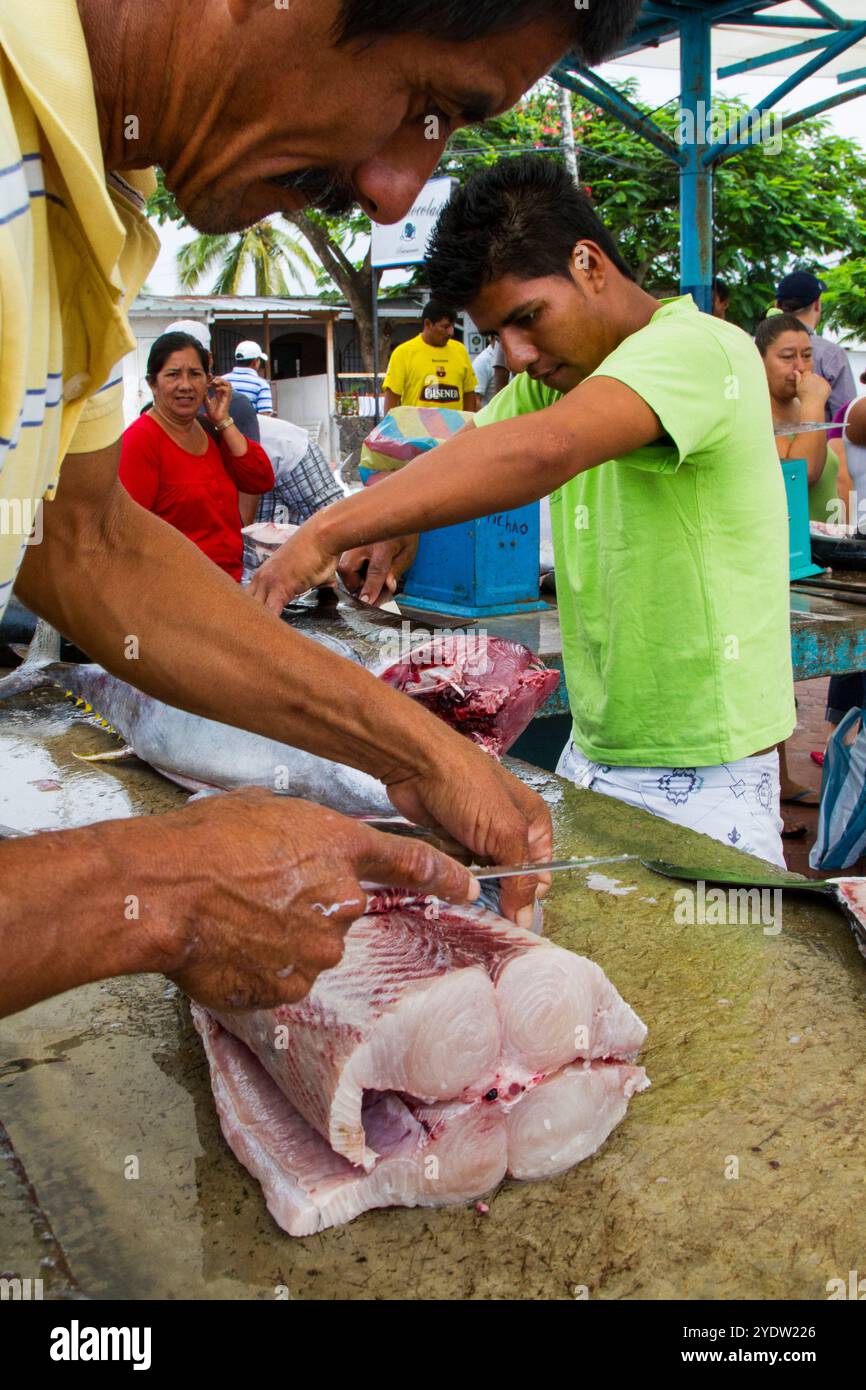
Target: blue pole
<point>696,180</point>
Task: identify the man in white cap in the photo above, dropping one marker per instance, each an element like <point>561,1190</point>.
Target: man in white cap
<point>243,412</point>
<point>246,380</point>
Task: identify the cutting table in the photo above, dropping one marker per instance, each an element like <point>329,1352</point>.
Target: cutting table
<point>755,1052</point>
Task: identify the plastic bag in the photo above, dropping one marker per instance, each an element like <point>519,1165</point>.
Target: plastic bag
<point>842,815</point>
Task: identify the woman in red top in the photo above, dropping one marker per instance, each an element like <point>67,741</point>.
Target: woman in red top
<point>174,467</point>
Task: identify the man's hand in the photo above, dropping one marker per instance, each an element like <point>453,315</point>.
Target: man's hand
<point>299,565</point>
<point>267,888</point>
<point>475,801</point>
<point>375,570</point>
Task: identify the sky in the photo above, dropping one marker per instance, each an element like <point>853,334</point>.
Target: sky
<point>657,86</point>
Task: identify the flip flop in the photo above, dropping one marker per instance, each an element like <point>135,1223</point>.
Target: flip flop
<point>801,799</point>
<point>795,832</point>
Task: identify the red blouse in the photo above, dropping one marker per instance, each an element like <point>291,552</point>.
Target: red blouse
<point>197,495</point>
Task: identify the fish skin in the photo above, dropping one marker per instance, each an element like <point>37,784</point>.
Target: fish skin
<point>205,755</point>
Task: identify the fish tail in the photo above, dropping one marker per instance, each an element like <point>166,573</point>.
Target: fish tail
<point>41,665</point>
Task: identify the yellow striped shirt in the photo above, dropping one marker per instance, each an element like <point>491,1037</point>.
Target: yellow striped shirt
<point>75,248</point>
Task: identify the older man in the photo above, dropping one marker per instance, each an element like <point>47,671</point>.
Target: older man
<point>345,108</point>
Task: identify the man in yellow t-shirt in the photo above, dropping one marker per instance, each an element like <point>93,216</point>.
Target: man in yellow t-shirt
<point>432,369</point>
<point>91,96</point>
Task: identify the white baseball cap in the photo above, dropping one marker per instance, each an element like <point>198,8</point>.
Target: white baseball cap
<point>199,331</point>
<point>247,350</point>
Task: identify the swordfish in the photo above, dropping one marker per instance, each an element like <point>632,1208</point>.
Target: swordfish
<point>488,692</point>
<point>447,1050</point>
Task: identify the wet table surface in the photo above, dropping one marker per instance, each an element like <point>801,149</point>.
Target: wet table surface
<point>739,1174</point>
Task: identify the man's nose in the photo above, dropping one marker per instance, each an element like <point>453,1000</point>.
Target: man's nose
<point>388,184</point>
<point>520,353</point>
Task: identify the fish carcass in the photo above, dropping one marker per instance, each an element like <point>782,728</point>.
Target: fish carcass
<point>500,693</point>
<point>447,1050</point>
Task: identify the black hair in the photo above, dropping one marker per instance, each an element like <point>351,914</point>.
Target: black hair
<point>721,288</point>
<point>773,327</point>
<point>523,216</point>
<point>434,310</point>
<point>163,348</point>
<point>792,306</point>
<point>593,32</point>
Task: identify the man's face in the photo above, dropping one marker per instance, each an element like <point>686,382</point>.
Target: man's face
<point>438,333</point>
<point>555,328</point>
<point>302,121</point>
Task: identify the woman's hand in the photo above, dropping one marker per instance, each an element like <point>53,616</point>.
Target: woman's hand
<point>813,392</point>
<point>217,405</point>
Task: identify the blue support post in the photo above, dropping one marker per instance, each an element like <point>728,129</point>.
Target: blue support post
<point>696,179</point>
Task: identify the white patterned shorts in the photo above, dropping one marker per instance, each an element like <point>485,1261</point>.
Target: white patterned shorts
<point>737,803</point>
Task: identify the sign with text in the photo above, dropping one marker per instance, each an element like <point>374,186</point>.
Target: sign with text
<point>405,242</point>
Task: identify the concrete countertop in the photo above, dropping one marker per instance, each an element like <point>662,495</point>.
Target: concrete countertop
<point>755,1052</point>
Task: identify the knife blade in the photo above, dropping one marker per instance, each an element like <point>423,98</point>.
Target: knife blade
<point>554,866</point>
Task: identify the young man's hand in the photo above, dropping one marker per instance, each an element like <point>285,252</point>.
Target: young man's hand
<point>374,571</point>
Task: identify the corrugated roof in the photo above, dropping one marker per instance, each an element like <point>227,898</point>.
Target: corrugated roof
<point>230,306</point>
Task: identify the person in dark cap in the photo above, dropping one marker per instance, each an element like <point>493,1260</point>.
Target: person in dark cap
<point>800,294</point>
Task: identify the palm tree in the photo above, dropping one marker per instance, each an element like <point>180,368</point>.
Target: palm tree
<point>273,254</point>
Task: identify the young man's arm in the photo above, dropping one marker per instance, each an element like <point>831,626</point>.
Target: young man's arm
<point>479,471</point>
<point>391,399</point>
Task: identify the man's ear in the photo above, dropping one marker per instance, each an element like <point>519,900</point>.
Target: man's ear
<point>588,263</point>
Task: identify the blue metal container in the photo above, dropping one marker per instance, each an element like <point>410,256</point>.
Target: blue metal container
<point>477,569</point>
<point>797,490</point>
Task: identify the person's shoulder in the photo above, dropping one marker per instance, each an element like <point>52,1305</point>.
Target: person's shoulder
<point>461,350</point>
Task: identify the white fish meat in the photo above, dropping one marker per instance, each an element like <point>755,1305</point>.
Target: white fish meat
<point>455,1036</point>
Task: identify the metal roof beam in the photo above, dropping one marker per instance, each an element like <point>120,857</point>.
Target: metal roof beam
<point>819,107</point>
<point>793,50</point>
<point>826,13</point>
<point>721,150</point>
<point>593,88</point>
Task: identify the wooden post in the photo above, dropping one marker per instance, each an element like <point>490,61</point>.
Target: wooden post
<point>332,388</point>
<point>266,344</point>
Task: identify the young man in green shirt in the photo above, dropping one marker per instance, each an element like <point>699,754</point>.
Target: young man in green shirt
<point>649,425</point>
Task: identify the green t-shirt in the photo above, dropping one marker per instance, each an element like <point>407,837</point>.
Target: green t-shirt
<point>672,561</point>
<point>823,494</point>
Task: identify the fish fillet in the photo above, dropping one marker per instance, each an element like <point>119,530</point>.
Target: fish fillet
<point>452,1036</point>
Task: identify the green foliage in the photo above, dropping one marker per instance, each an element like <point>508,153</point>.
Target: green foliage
<point>802,206</point>
<point>844,304</point>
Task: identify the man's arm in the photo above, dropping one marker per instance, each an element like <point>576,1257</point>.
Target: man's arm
<point>855,430</point>
<point>470,402</point>
<point>478,471</point>
<point>106,569</point>
<point>391,399</point>
<point>219,895</point>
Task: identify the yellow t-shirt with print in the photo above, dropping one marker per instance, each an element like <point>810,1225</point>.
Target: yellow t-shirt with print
<point>75,248</point>
<point>423,375</point>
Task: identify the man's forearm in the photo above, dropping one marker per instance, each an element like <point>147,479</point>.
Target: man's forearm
<point>69,913</point>
<point>149,606</point>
